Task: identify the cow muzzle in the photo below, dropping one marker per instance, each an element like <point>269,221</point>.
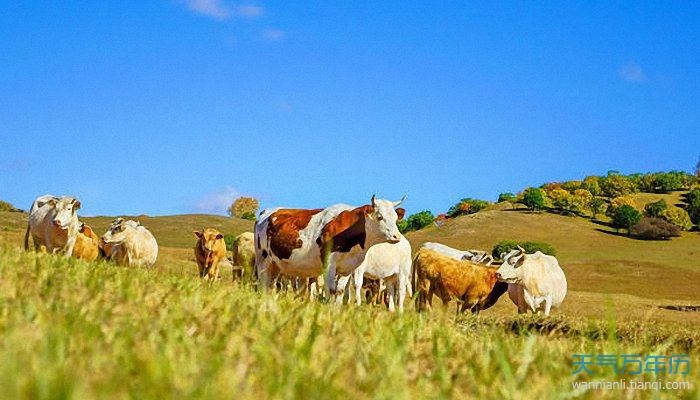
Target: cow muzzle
<point>394,239</point>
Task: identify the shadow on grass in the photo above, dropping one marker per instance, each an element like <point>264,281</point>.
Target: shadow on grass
<point>614,233</point>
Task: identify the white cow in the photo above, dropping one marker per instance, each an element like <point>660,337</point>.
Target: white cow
<point>129,243</point>
<point>387,261</point>
<point>477,256</point>
<point>53,223</point>
<point>536,282</point>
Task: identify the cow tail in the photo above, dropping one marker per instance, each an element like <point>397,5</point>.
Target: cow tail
<point>26,238</point>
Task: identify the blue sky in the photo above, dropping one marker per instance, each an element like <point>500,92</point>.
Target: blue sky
<point>170,106</point>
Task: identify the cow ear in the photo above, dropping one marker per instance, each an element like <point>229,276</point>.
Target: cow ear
<point>220,236</point>
<point>76,204</point>
<point>198,234</point>
<point>400,212</point>
<point>520,261</point>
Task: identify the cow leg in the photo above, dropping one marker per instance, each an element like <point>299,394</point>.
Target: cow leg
<point>342,284</point>
<point>547,305</point>
<point>403,283</point>
<point>330,276</point>
<point>390,288</point>
<point>358,281</point>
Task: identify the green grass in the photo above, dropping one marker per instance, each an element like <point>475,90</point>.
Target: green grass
<point>76,330</point>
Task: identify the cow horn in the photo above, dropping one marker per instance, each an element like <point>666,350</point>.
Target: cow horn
<point>398,203</point>
<point>521,249</point>
<point>374,203</point>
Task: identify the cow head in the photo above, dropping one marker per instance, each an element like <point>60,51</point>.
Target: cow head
<point>380,224</point>
<point>508,271</point>
<point>66,209</point>
<point>207,240</point>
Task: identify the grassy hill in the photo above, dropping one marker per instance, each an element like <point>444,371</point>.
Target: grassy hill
<point>72,329</point>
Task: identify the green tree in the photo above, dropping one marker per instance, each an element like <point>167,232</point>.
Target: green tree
<point>416,221</point>
<point>692,200</point>
<point>655,208</point>
<point>625,217</point>
<point>508,197</point>
<point>533,198</point>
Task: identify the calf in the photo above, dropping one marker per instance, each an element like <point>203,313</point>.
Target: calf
<point>209,251</point>
<point>438,274</point>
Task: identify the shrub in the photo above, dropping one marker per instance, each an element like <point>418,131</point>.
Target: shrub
<point>244,206</point>
<point>655,208</point>
<point>571,186</point>
<point>666,182</point>
<point>249,215</point>
<point>654,229</point>
<point>466,206</point>
<point>533,198</point>
<point>678,217</point>
<point>625,217</point>
<point>504,246</point>
<point>228,239</point>
<point>416,221</point>
<point>692,200</point>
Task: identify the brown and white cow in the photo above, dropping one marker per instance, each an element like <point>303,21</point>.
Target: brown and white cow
<point>209,251</point>
<point>332,240</point>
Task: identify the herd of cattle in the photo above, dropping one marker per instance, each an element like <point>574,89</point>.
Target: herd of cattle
<point>322,250</point>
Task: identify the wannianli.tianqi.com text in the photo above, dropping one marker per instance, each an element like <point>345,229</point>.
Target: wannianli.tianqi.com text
<point>624,384</point>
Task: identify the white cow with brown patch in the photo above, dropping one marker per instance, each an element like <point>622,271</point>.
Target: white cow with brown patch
<point>331,241</point>
<point>536,282</point>
<point>53,223</point>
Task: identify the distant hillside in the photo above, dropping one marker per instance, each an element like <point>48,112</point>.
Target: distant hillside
<point>170,231</point>
<point>594,256</point>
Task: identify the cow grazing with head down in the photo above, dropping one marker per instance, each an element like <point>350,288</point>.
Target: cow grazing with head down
<point>332,240</point>
<point>449,278</point>
<point>209,251</point>
<point>53,223</point>
<point>475,256</point>
<point>536,282</point>
<point>129,243</point>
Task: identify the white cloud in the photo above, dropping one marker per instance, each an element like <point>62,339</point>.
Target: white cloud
<point>632,72</point>
<point>273,35</point>
<point>211,8</point>
<point>249,11</point>
<point>216,202</point>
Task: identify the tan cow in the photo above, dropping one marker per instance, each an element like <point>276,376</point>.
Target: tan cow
<point>438,274</point>
<point>243,256</point>
<point>86,244</point>
<point>209,251</point>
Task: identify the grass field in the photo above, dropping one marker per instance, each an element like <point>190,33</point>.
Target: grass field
<point>71,329</point>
